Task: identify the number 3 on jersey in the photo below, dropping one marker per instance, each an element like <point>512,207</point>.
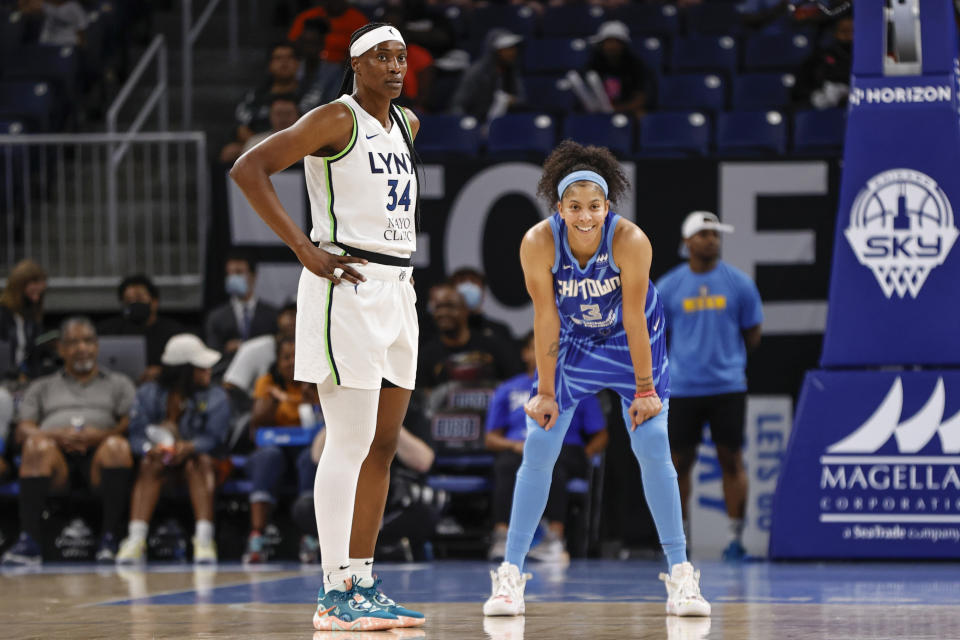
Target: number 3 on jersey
<point>591,312</point>
<point>404,197</point>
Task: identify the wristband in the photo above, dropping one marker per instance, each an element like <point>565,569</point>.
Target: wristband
<point>645,394</point>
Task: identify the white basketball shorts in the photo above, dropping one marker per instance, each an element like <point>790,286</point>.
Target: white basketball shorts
<point>359,334</point>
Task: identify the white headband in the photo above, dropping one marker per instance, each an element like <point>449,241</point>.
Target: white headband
<point>374,37</point>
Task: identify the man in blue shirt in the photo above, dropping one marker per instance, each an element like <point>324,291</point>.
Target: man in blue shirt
<point>713,313</point>
<point>506,431</point>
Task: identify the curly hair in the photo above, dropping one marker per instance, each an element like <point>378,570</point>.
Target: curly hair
<point>569,157</point>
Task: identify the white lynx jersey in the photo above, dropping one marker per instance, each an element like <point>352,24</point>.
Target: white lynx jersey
<point>366,195</point>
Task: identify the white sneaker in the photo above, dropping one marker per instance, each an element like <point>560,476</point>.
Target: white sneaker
<point>204,552</point>
<point>683,592</point>
<point>132,551</point>
<point>506,598</point>
<point>550,550</point>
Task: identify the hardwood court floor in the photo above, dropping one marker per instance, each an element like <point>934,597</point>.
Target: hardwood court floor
<point>595,600</point>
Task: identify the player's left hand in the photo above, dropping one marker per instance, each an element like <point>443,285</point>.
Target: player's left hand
<point>642,409</point>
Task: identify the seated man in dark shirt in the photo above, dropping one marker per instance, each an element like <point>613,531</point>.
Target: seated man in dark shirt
<point>140,300</point>
<point>457,352</point>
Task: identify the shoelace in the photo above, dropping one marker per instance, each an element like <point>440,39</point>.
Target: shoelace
<point>380,595</point>
<point>510,585</point>
<point>690,587</point>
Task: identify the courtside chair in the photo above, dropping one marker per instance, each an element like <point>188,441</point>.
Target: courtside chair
<point>679,134</point>
<point>448,134</point>
<point>554,55</point>
<point>705,53</point>
<point>691,91</point>
<point>751,91</point>
<point>519,133</point>
<point>614,131</point>
<point>786,51</point>
<point>751,133</point>
<point>819,133</point>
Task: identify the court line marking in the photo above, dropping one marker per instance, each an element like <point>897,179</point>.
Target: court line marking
<point>130,601</point>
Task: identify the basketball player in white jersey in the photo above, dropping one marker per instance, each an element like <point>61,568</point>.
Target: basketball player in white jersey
<point>356,319</point>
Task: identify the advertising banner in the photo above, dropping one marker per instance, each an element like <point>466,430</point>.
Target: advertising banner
<point>873,469</point>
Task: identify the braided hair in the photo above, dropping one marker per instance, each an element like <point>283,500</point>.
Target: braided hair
<point>399,120</point>
<point>569,157</point>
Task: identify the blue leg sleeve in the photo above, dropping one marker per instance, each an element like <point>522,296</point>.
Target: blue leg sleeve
<point>540,452</point>
<point>651,446</point>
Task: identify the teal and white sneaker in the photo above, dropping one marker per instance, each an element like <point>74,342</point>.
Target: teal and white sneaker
<point>350,611</point>
<point>373,593</point>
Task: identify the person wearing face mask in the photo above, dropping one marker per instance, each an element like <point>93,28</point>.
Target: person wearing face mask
<point>472,285</point>
<point>140,301</point>
<point>244,316</point>
<point>21,322</point>
<point>71,427</point>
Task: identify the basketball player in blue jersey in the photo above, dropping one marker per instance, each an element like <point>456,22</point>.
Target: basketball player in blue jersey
<point>356,309</point>
<point>598,323</point>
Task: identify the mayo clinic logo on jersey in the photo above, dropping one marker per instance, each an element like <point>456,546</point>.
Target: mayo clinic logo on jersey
<point>886,472</point>
<point>901,228</point>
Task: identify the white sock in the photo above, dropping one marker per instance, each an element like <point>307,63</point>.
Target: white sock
<point>138,530</point>
<point>351,422</point>
<point>363,569</point>
<point>203,531</point>
<point>736,530</point>
<point>335,576</point>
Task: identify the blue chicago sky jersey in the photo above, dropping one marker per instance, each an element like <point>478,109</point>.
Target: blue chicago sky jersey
<point>594,353</point>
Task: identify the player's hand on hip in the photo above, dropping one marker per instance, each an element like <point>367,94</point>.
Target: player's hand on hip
<point>332,267</point>
<point>642,409</point>
<point>543,409</point>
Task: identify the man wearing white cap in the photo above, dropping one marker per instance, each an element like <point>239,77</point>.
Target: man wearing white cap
<point>713,312</point>
<point>178,425</point>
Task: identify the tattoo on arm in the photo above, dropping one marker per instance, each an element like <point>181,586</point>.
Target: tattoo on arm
<point>644,382</point>
<point>554,350</point>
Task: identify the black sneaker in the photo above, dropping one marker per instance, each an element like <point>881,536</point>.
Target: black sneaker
<point>107,551</point>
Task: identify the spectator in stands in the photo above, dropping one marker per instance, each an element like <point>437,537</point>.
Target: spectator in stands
<point>71,429</point>
<point>284,112</point>
<point>279,401</point>
<point>244,316</point>
<point>420,25</point>
<point>623,78</point>
<point>341,21</point>
<point>457,353</point>
<point>141,300</point>
<point>179,425</point>
<point>405,515</point>
<point>713,313</point>
<point>823,81</point>
<point>255,357</point>
<point>64,21</point>
<point>506,432</point>
<point>419,79</point>
<point>21,321</point>
<point>253,113</point>
<point>472,285</point>
<point>492,85</point>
